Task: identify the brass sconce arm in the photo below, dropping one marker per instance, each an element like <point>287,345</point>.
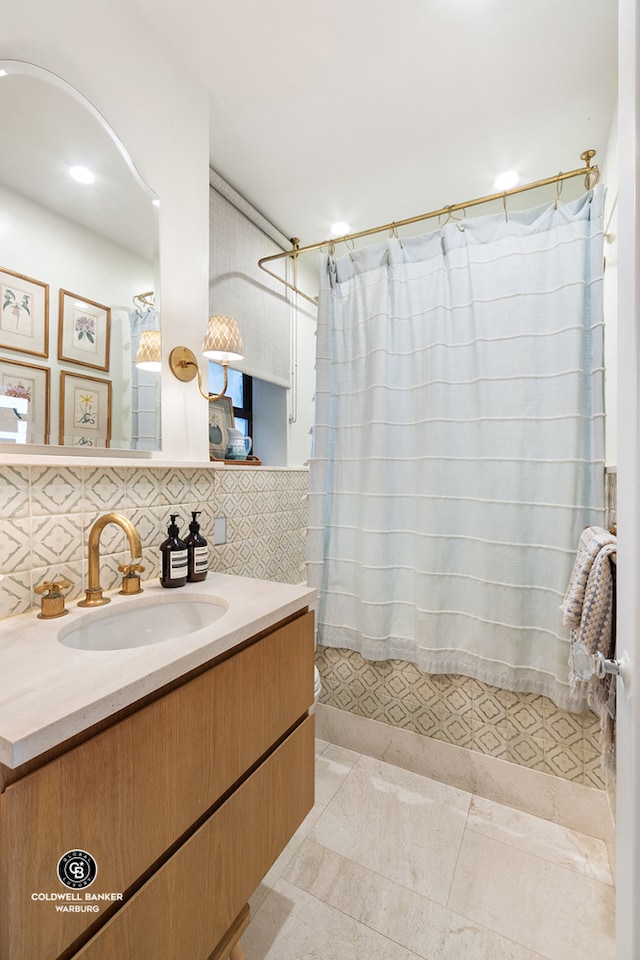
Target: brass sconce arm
<point>185,367</point>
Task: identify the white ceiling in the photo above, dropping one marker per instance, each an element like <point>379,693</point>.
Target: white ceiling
<point>371,111</point>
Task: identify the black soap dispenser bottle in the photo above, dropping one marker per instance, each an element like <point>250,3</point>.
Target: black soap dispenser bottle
<point>174,557</point>
<point>197,551</point>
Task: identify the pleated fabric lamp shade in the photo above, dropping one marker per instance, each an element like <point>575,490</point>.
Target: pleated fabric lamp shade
<point>222,341</point>
<point>148,356</point>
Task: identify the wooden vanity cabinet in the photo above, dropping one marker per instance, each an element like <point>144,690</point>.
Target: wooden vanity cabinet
<point>184,804</point>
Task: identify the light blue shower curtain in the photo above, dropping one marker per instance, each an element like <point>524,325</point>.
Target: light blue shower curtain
<point>458,447</point>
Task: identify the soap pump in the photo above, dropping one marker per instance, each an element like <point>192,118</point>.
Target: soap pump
<point>174,557</point>
<point>197,551</point>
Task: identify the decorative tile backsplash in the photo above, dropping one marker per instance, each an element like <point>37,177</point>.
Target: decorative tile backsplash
<point>46,515</point>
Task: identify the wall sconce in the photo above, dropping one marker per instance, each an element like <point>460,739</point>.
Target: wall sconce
<point>148,356</point>
<point>222,343</point>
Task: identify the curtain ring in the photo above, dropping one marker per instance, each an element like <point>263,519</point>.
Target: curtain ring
<point>592,171</point>
<point>504,204</point>
<point>446,210</point>
<point>393,233</point>
<point>559,186</point>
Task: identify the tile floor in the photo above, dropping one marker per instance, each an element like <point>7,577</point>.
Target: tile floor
<point>390,865</point>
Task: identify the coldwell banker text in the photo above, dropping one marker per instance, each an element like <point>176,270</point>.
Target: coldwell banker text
<point>77,902</point>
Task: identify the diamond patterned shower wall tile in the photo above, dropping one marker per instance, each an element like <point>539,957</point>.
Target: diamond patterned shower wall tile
<point>564,762</point>
<point>564,728</point>
<point>488,709</point>
<point>527,751</point>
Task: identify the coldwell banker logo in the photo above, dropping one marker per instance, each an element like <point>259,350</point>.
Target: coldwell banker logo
<point>77,869</point>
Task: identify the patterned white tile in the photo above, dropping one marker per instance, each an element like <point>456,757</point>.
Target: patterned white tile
<point>151,563</point>
<point>150,522</point>
<point>56,490</point>
<point>15,489</point>
<point>15,545</point>
<point>594,775</point>
<point>527,718</point>
<point>203,485</point>
<point>104,489</point>
<point>489,709</point>
<point>427,721</point>
<point>15,594</point>
<point>173,486</point>
<point>525,750</point>
<point>562,727</point>
<point>564,761</point>
<point>57,538</point>
<point>489,738</point>
<point>142,488</point>
<point>110,576</point>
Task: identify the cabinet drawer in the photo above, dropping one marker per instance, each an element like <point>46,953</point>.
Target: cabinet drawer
<point>131,792</point>
<point>185,909</point>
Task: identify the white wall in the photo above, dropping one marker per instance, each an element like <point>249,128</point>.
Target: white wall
<point>62,254</point>
<point>109,52</point>
<point>610,294</point>
<point>628,603</point>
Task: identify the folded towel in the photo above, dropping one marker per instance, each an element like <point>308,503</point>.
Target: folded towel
<point>589,610</point>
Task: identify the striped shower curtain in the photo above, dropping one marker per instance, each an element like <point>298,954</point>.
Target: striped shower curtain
<point>458,447</point>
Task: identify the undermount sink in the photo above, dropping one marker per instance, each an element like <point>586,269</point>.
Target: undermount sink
<point>140,623</point>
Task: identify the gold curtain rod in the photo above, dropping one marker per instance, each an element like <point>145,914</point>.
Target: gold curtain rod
<point>587,171</point>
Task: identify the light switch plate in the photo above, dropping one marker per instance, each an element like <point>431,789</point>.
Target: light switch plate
<point>219,531</point>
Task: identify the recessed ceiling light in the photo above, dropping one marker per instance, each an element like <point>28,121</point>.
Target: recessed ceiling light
<point>340,228</point>
<point>506,180</point>
<point>81,174</point>
<point>3,73</point>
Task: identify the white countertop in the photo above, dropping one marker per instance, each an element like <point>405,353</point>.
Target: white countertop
<point>49,692</point>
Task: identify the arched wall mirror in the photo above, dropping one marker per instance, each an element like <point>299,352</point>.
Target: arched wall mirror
<point>78,274</point>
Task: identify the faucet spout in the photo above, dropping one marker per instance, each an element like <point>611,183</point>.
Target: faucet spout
<point>93,593</point>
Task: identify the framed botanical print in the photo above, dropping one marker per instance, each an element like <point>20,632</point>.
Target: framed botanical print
<point>84,329</point>
<point>24,402</point>
<point>85,411</point>
<point>220,419</point>
<point>24,313</point>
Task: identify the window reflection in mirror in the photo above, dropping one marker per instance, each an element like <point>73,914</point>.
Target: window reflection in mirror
<point>78,246</point>
<point>240,390</point>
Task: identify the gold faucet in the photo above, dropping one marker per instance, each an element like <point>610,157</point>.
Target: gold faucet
<point>93,593</point>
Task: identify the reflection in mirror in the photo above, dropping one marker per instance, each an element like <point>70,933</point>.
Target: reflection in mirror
<point>78,273</point>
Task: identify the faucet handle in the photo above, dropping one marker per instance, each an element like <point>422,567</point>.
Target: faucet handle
<point>131,578</point>
<point>52,603</point>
